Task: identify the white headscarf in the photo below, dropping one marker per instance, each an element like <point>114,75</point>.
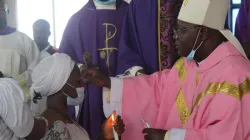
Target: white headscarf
<point>50,75</point>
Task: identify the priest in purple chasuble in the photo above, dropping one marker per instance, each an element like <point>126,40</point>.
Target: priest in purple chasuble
<point>92,38</point>
<point>148,31</point>
<point>242,27</point>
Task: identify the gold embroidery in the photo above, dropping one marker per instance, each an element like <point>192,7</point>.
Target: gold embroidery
<point>22,84</point>
<point>182,107</point>
<point>225,88</point>
<point>180,67</point>
<point>159,34</point>
<point>245,86</point>
<point>197,78</point>
<point>185,3</point>
<point>106,52</point>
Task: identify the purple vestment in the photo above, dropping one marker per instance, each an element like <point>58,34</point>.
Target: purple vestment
<point>242,27</point>
<point>147,36</point>
<point>7,30</point>
<point>98,33</point>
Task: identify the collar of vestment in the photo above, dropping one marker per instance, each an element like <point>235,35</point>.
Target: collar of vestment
<point>223,51</point>
<point>46,48</point>
<point>51,50</point>
<point>7,30</point>
<point>120,4</point>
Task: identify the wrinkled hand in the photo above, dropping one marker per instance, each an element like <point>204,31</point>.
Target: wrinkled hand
<point>108,130</point>
<point>154,134</point>
<point>96,77</point>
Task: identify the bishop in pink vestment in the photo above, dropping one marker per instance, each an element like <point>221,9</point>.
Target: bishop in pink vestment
<point>205,96</point>
<point>208,101</point>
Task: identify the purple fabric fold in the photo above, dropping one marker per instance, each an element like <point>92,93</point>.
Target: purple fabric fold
<point>7,30</point>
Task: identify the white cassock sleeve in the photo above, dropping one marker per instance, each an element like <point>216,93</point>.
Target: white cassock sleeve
<point>14,112</point>
<point>32,58</point>
<point>112,98</point>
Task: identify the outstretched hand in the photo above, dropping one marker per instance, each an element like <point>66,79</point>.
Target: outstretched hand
<point>94,76</point>
<point>154,134</point>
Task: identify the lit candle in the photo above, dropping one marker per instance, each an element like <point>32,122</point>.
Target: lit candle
<point>114,132</point>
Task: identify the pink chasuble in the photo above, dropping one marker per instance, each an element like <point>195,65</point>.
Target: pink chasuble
<point>205,102</point>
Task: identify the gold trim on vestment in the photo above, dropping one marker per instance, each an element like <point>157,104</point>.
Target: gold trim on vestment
<point>225,88</point>
<point>182,107</point>
<point>197,78</point>
<point>213,88</point>
<point>181,69</point>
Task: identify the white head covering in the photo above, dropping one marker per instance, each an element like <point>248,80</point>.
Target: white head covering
<point>209,13</point>
<point>50,75</point>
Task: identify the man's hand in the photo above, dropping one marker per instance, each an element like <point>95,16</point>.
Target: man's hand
<point>154,134</point>
<point>96,77</point>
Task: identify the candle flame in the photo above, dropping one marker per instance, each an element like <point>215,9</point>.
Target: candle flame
<point>113,117</point>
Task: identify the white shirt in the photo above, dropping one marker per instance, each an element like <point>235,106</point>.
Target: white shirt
<point>18,55</point>
<point>45,53</point>
<point>16,120</point>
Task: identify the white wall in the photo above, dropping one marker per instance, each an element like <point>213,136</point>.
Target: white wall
<point>57,15</point>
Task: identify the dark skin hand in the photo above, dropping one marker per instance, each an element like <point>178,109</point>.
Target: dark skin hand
<point>107,132</point>
<point>94,76</point>
<point>154,134</point>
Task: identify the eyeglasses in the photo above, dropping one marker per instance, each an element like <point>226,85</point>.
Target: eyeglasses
<point>179,31</point>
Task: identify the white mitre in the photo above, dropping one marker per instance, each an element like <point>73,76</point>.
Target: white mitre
<point>209,13</point>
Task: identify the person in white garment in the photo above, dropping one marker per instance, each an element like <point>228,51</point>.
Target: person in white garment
<point>16,120</point>
<point>18,53</point>
<point>58,79</point>
<point>41,34</point>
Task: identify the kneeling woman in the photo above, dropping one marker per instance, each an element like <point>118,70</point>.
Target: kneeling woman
<point>58,79</point>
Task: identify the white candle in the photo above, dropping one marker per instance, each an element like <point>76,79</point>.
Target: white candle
<point>114,132</point>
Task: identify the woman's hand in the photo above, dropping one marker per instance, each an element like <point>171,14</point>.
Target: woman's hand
<point>154,134</point>
<point>118,126</point>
